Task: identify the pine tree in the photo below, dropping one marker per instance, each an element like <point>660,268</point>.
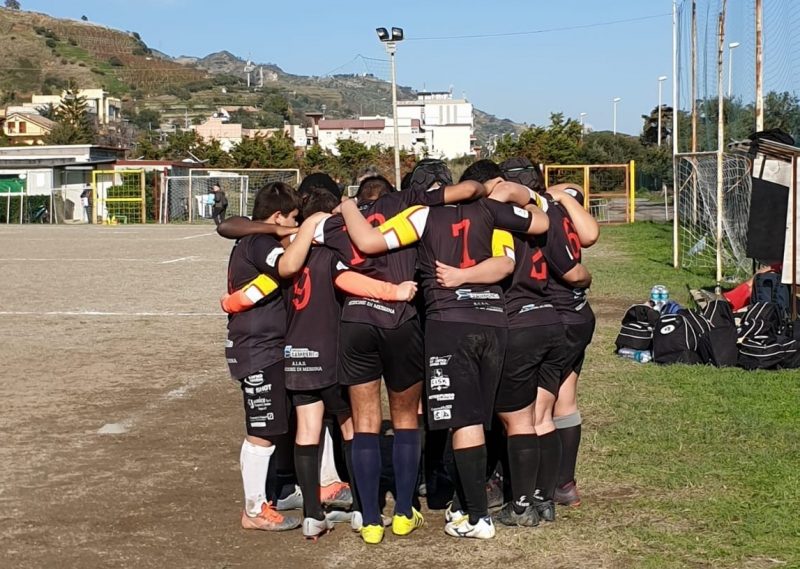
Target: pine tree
<point>74,125</point>
<point>13,4</point>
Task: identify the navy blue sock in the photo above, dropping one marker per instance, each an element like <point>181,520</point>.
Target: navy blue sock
<point>405,457</point>
<point>367,470</point>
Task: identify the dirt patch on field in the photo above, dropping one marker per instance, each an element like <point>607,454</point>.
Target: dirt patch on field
<point>121,326</point>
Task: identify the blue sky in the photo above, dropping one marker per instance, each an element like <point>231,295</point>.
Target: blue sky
<point>521,77</point>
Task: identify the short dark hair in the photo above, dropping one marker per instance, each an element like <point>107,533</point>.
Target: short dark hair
<point>523,171</point>
<point>319,199</point>
<point>482,171</point>
<point>275,197</point>
<point>370,189</point>
<point>319,180</point>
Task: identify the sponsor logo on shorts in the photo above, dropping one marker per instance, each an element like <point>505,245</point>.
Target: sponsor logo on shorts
<point>228,343</point>
<point>521,212</point>
<point>435,361</point>
<point>439,381</point>
<point>272,258</point>
<point>341,266</point>
<point>529,307</point>
<point>442,397</point>
<point>668,329</point>
<point>468,294</point>
<point>442,413</point>
<point>232,360</point>
<point>254,380</point>
<point>305,353</point>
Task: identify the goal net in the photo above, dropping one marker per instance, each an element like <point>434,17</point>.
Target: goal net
<point>189,199</point>
<point>696,181</point>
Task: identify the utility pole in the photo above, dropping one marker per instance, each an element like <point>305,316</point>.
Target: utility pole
<point>759,67</point>
<point>694,76</point>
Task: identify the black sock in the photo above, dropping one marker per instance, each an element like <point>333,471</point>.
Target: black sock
<point>449,464</point>
<point>523,457</point>
<point>306,461</point>
<point>405,459</point>
<point>471,464</point>
<point>570,441</point>
<point>348,457</point>
<point>367,469</point>
<point>281,477</point>
<point>549,463</point>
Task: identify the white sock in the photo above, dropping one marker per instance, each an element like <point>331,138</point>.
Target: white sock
<point>254,464</point>
<point>327,468</point>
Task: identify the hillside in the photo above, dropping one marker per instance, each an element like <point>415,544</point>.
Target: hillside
<point>44,54</point>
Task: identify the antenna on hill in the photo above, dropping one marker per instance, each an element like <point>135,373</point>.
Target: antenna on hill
<point>248,69</point>
<point>261,77</point>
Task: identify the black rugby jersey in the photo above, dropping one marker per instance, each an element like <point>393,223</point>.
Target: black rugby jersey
<point>393,267</point>
<point>527,300</point>
<point>312,335</point>
<point>255,337</point>
<point>461,236</point>
<point>562,249</point>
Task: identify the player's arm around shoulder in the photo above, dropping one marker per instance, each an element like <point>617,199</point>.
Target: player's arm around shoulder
<point>237,227</point>
<point>586,226</point>
<point>403,229</point>
<point>294,257</point>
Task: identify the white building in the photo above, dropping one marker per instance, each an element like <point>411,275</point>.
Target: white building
<point>105,108</point>
<point>447,122</point>
<point>371,131</point>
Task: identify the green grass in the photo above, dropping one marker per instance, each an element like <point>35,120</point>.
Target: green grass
<point>684,466</point>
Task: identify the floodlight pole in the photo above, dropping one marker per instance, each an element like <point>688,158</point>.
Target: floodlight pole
<point>615,100</point>
<point>661,80</point>
<point>391,49</point>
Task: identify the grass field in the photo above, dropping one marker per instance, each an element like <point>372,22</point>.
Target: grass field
<point>704,461</point>
<point>679,467</point>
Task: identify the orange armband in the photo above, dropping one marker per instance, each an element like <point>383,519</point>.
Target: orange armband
<point>247,296</point>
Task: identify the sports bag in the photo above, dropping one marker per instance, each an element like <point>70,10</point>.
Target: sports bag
<point>674,340</point>
<point>637,328</point>
<point>761,352</point>
<point>719,345</point>
<point>767,287</point>
<point>762,319</point>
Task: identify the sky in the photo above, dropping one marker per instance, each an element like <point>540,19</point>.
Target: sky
<point>577,62</point>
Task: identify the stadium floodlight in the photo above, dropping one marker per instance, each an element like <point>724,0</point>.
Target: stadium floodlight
<point>731,46</point>
<point>615,100</point>
<point>390,41</point>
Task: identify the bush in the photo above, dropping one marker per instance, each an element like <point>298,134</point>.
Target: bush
<point>97,71</point>
<point>64,61</point>
<point>72,42</point>
<point>115,61</point>
<point>81,64</point>
<point>51,43</point>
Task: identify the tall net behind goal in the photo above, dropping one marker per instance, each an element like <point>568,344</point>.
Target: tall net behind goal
<point>189,199</point>
<point>697,213</point>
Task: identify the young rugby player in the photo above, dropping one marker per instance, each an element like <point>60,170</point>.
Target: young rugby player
<point>255,345</point>
<point>559,422</point>
<point>465,327</point>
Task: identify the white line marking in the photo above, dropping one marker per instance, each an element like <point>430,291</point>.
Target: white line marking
<point>99,313</point>
<point>196,236</point>
<point>190,258</point>
<point>77,260</point>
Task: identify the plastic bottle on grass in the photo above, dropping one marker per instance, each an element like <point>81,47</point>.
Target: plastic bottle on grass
<point>641,356</point>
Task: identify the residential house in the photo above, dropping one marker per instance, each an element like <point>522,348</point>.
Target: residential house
<point>27,128</point>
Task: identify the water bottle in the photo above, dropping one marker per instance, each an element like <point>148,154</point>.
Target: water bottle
<point>641,356</point>
<point>659,295</point>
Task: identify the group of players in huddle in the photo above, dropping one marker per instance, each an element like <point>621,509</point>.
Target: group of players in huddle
<point>319,314</point>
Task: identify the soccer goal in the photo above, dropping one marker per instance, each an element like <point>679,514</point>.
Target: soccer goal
<point>699,214</point>
<point>609,189</point>
<point>119,196</point>
<point>189,198</point>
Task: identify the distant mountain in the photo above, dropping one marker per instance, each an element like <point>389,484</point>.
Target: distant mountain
<point>43,54</point>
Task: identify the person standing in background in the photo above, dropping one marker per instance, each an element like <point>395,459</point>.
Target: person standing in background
<point>220,204</point>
